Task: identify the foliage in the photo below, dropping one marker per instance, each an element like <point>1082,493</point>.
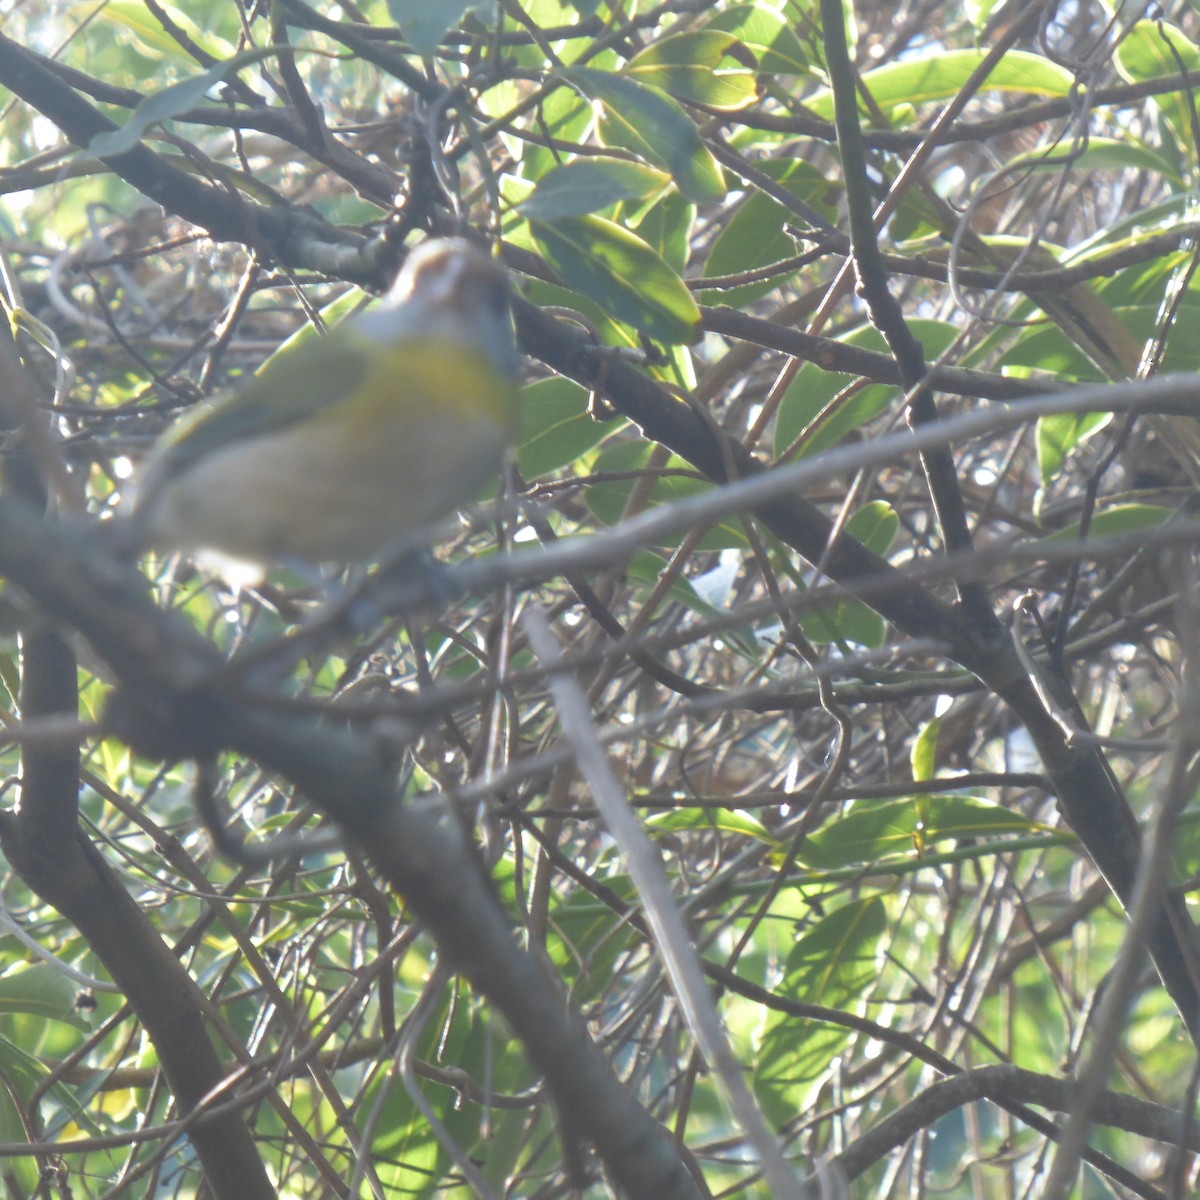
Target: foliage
<point>892,726</point>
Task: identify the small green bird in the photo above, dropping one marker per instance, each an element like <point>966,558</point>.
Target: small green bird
<point>354,442</point>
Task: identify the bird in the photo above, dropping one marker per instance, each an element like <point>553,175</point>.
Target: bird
<point>352,443</point>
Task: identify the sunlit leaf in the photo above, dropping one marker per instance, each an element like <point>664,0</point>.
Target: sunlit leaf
<point>688,66</point>
<point>620,272</point>
<point>923,755</point>
<point>934,77</point>
<point>679,820</point>
<point>168,103</point>
<point>590,185</point>
<point>832,963</point>
<point>1119,520</point>
<point>425,22</point>
<point>851,621</point>
<point>767,35</point>
<point>619,466</point>
<point>872,831</point>
<point>556,427</point>
<point>1058,435</point>
<point>654,126</point>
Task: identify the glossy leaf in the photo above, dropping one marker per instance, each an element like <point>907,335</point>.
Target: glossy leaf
<point>425,22</point>
<point>923,755</point>
<point>872,831</point>
<point>1145,51</point>
<point>1057,437</point>
<point>834,959</point>
<point>754,236</point>
<point>807,411</point>
<point>168,103</point>
<point>666,226</point>
<point>851,621</point>
<point>621,273</point>
<point>833,963</point>
<point>42,990</point>
<point>726,820</point>
<point>589,185</point>
<point>1119,520</point>
<point>767,35</point>
<point>1107,154</point>
<point>937,77</point>
<point>556,427</point>
<point>138,24</point>
<point>608,499</point>
<point>688,66</point>
<point>652,125</point>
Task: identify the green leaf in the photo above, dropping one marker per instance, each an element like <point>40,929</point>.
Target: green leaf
<point>754,236</point>
<point>608,499</point>
<point>42,990</point>
<point>647,566</point>
<point>923,755</point>
<point>833,963</point>
<point>22,1073</point>
<point>767,35</point>
<point>871,832</point>
<point>588,185</point>
<point>1104,154</point>
<point>10,673</point>
<point>792,1057</point>
<point>652,125</point>
<point>168,103</point>
<point>807,408</point>
<point>666,227</point>
<point>611,331</point>
<point>556,427</point>
<point>425,22</point>
<point>1116,521</point>
<point>835,959</point>
<point>620,272</point>
<point>978,12</point>
<point>1058,435</point>
<point>1045,349</point>
<point>687,65</point>
<point>875,525</point>
<point>152,40</point>
<point>939,75</point>
<point>1135,298</point>
<point>722,820</point>
<point>564,115</point>
<point>825,420</point>
<point>1144,52</point>
<point>585,939</point>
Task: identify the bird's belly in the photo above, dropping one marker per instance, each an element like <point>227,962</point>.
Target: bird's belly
<point>309,494</point>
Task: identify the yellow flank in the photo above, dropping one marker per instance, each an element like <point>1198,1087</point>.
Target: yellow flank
<point>355,444</point>
<point>420,434</point>
<point>407,378</point>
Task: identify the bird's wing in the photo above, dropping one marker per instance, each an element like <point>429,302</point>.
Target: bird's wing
<point>294,387</point>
